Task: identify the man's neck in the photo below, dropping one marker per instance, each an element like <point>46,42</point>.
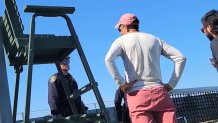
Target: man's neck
<point>133,30</point>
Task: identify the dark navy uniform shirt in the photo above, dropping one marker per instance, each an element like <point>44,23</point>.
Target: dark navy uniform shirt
<point>57,98</point>
<point>122,110</point>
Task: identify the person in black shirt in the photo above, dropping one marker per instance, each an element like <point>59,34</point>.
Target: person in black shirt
<point>57,100</point>
<point>210,29</point>
<point>122,110</point>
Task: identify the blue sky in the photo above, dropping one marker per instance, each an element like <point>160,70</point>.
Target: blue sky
<point>176,22</point>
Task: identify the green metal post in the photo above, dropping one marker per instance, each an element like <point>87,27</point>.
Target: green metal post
<point>5,104</point>
<point>30,68</point>
<point>18,70</point>
<point>87,69</point>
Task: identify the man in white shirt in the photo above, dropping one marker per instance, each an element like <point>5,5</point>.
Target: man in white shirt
<point>210,29</point>
<point>147,97</point>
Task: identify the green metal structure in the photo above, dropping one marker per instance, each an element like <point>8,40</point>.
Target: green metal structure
<point>29,49</point>
<point>5,104</point>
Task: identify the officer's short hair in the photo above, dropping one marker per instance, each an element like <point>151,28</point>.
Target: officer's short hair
<point>211,18</point>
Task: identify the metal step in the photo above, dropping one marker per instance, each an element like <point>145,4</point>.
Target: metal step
<point>79,118</point>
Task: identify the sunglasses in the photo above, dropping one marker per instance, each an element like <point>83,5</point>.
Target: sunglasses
<point>120,27</point>
<point>202,29</point>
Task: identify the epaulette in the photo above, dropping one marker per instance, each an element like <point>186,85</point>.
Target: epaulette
<point>53,79</point>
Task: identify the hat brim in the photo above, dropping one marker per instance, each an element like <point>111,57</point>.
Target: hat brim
<point>117,25</point>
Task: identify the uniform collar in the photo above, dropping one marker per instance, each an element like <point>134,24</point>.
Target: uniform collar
<point>66,73</point>
<point>216,38</point>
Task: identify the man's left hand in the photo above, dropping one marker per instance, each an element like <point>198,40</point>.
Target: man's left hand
<point>127,86</point>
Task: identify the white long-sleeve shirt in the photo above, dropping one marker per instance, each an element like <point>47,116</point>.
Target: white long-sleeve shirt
<point>140,53</point>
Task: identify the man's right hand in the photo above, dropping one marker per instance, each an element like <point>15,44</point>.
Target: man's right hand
<point>168,87</point>
<point>213,62</point>
<point>214,65</point>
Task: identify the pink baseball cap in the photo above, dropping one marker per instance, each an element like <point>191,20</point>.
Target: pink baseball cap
<point>127,19</point>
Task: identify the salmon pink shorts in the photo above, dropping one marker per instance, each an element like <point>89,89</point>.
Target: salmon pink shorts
<point>152,105</point>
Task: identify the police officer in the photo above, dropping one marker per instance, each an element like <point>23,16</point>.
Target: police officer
<point>57,100</point>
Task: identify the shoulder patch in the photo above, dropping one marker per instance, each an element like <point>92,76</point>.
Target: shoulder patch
<point>53,79</point>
